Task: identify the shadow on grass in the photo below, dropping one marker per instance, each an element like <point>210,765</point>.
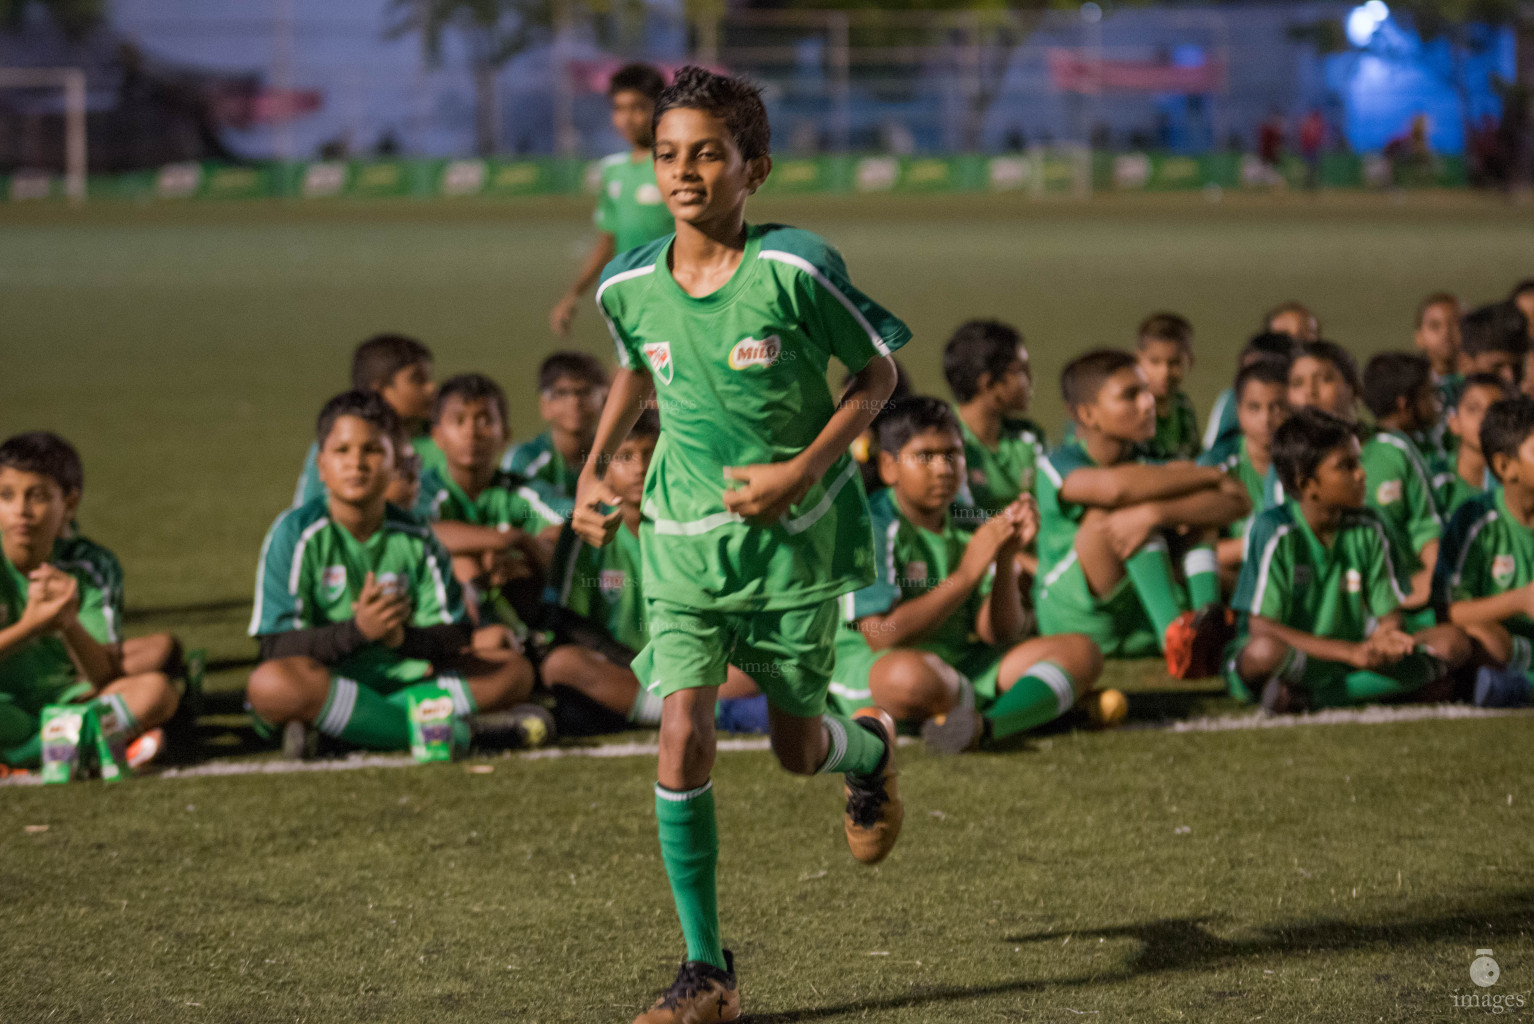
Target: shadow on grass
<point>144,613</point>
<point>1186,945</point>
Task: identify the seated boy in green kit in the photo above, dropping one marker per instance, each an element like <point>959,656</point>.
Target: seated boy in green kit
<point>1223,423</point>
<point>356,605</point>
<point>399,369</point>
<point>1485,578</point>
<point>1105,511</point>
<point>986,366</point>
<point>935,641</point>
<point>588,668</point>
<point>1320,594</point>
<point>1465,475</point>
<point>1165,343</point>
<point>1261,403</point>
<point>61,611</point>
<point>571,389</point>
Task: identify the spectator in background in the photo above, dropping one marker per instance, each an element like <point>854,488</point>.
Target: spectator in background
<point>1312,143</point>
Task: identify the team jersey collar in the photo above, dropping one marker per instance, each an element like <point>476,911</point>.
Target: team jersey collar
<point>726,292</point>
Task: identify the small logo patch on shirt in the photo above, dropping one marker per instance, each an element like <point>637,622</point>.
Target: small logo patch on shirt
<point>915,572</point>
<point>612,580</point>
<point>334,581</point>
<point>751,352</point>
<point>1387,492</point>
<point>1353,580</point>
<point>1502,569</point>
<point>977,477</point>
<point>659,355</point>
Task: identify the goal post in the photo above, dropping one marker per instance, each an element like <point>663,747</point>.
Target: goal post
<point>71,81</point>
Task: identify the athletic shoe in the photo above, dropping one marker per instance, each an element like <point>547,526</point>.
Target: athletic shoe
<point>953,733</point>
<point>874,812</point>
<point>1500,688</point>
<point>146,748</point>
<point>300,741</point>
<point>1195,641</point>
<point>701,994</point>
<point>526,725</point>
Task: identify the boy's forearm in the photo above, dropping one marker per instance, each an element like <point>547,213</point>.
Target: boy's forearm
<point>1001,618</point>
<point>1136,483</point>
<point>327,645</point>
<point>460,538</point>
<point>1325,648</point>
<point>99,663</point>
<point>912,621</point>
<point>1211,507</point>
<point>16,635</point>
<point>871,387</point>
<point>1473,611</point>
<point>625,401</point>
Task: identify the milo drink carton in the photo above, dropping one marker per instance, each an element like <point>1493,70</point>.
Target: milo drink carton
<point>64,741</point>
<point>108,736</point>
<point>431,727</point>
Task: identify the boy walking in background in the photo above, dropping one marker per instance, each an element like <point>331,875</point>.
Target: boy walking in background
<point>755,519</point>
<point>571,389</point>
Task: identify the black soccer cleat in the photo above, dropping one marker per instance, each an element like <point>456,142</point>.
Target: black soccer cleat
<point>701,994</point>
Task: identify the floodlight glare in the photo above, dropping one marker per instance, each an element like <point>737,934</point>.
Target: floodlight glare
<point>1364,20</point>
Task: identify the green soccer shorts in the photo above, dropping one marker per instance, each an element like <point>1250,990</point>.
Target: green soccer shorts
<point>849,690</point>
<point>1331,684</point>
<point>1116,622</point>
<point>790,652</point>
<point>381,671</point>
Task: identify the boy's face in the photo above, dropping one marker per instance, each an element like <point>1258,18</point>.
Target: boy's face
<point>632,111</point>
<point>410,392</point>
<point>1124,408</point>
<point>356,462</point>
<point>1517,472</point>
<point>1339,479</point>
<point>1262,409</point>
<point>701,172</point>
<point>1013,390</point>
<point>929,470</point>
<point>1298,325</point>
<point>1464,419</point>
<point>1317,384</point>
<point>1166,364</point>
<point>33,512</point>
<point>1504,364</point>
<point>1438,335</point>
<point>630,463</point>
<point>573,405</point>
<point>470,432</point>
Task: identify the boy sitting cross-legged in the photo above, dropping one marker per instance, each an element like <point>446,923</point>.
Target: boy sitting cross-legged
<point>935,640</point>
<point>357,607</point>
<point>1485,579</point>
<point>1105,512</point>
<point>61,611</point>
<point>1320,592</point>
<point>1466,475</point>
<point>1261,404</point>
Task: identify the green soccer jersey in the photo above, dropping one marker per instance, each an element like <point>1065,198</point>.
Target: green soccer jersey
<point>1059,519</point>
<point>995,477</point>
<point>1450,490</point>
<point>538,461</point>
<point>505,502</point>
<point>31,673</point>
<point>909,561</point>
<point>1232,459</point>
<point>1485,552</point>
<point>1340,591</point>
<point>312,570</point>
<point>630,206</point>
<point>603,584</point>
<point>1400,488</point>
<point>1223,422</point>
<point>740,377</point>
<point>1176,432</point>
<point>433,470</point>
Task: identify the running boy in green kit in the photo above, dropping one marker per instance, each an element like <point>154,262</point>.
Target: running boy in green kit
<point>1485,578</point>
<point>755,517</point>
<point>938,640</point>
<point>356,606</point>
<point>1320,593</point>
<point>1106,513</point>
<point>61,609</point>
<point>986,366</point>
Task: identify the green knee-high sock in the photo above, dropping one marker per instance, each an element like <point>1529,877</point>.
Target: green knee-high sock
<point>1150,571</point>
<point>1202,570</point>
<point>689,846</point>
<point>1365,687</point>
<point>854,750</point>
<point>117,722</point>
<point>1044,693</point>
<point>363,717</point>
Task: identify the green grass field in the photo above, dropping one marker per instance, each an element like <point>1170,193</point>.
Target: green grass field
<point>1342,872</point>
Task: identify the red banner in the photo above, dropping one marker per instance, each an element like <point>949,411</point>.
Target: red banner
<point>1073,71</point>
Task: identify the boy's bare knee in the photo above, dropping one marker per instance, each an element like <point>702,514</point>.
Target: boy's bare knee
<point>687,739</point>
<point>1261,657</point>
<point>911,687</point>
<point>162,699</point>
<point>1448,643</point>
<point>564,666</point>
<point>283,690</point>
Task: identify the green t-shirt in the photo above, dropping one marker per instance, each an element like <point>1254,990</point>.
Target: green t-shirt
<point>1176,432</point>
<point>604,584</point>
<point>630,206</point>
<point>1450,490</point>
<point>1485,552</point>
<point>433,469</point>
<point>995,477</point>
<point>1229,454</point>
<point>740,379</point>
<point>33,672</point>
<point>312,569</point>
<point>909,561</point>
<point>1289,576</point>
<point>539,461</point>
<point>1400,487</point>
<point>1223,421</point>
<point>506,501</point>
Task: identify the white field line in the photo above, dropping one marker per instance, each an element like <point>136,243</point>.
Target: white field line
<point>649,748</point>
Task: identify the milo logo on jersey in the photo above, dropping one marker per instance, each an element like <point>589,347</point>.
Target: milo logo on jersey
<point>658,355</point>
<point>751,352</point>
<point>1502,569</point>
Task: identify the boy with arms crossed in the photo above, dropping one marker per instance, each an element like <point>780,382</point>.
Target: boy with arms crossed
<point>755,519</point>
